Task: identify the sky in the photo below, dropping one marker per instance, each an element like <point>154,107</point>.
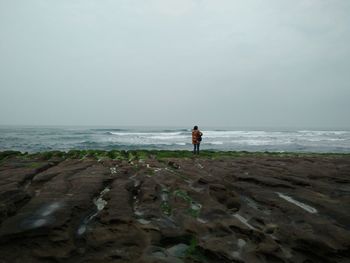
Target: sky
<point>237,63</point>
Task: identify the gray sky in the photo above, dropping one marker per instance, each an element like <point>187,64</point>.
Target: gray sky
<point>250,63</point>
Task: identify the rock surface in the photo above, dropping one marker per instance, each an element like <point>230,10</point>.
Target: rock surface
<point>242,209</point>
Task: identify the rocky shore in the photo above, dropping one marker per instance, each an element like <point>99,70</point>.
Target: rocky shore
<point>149,206</point>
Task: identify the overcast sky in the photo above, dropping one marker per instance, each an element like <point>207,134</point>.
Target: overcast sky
<point>240,63</point>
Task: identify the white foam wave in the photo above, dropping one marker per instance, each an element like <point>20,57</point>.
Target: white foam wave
<point>66,139</point>
<point>146,134</point>
<point>321,133</point>
<point>229,134</point>
<point>216,143</point>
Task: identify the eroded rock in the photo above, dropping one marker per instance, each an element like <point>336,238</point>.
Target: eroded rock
<point>263,209</point>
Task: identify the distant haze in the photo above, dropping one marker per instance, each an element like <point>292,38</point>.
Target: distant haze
<point>232,63</point>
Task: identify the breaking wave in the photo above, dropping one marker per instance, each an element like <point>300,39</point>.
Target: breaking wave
<point>43,139</point>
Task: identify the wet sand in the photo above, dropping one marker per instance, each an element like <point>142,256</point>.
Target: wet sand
<point>174,207</point>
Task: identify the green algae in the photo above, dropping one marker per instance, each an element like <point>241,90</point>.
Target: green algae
<point>182,194</point>
<point>160,155</point>
<point>34,165</point>
<point>194,207</point>
<point>165,205</point>
<point>165,208</point>
<point>6,154</point>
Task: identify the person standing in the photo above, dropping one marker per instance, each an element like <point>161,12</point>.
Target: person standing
<point>196,139</point>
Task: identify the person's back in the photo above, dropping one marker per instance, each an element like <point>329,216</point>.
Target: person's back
<point>196,139</point>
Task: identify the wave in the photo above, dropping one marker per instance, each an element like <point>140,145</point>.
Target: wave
<point>320,133</point>
<point>146,133</point>
<point>177,130</point>
<point>216,143</point>
<point>115,138</point>
<point>109,130</point>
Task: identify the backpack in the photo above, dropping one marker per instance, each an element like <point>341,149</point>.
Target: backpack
<point>199,137</point>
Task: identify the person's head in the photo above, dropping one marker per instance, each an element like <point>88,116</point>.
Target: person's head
<point>195,127</point>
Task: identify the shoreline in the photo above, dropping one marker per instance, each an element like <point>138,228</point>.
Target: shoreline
<point>143,154</point>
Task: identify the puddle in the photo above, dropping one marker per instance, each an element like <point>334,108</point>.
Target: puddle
<point>100,204</point>
<point>39,223</point>
<point>196,206</point>
<point>81,230</point>
<point>240,244</point>
<point>202,221</point>
<point>136,201</point>
<point>138,213</point>
<point>174,254</point>
<point>159,254</point>
<point>165,206</point>
<point>178,250</point>
<point>252,204</point>
<point>197,189</point>
<point>35,222</point>
<point>49,209</point>
<point>42,216</point>
<point>143,221</point>
<point>166,222</point>
<point>244,221</point>
<point>188,181</point>
<point>137,183</point>
<point>195,209</point>
<point>287,252</point>
<point>236,254</point>
<point>306,207</point>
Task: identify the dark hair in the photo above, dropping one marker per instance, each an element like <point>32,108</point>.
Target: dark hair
<point>195,127</point>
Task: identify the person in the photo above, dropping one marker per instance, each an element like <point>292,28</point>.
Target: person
<point>196,139</point>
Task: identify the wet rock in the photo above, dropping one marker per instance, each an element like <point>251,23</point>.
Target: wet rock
<point>224,196</point>
<point>174,165</point>
<point>268,246</point>
<point>178,250</point>
<point>270,228</point>
<point>68,167</point>
<point>242,209</point>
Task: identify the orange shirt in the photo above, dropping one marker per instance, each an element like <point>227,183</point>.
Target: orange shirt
<point>195,135</point>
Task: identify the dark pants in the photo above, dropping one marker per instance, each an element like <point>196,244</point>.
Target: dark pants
<point>196,148</point>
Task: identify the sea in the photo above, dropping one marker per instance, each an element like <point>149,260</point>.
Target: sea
<point>64,138</point>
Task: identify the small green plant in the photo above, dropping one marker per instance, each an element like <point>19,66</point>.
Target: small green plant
<point>6,154</point>
<point>34,165</point>
<point>194,207</point>
<point>182,194</point>
<point>150,172</point>
<point>193,251</point>
<point>164,205</point>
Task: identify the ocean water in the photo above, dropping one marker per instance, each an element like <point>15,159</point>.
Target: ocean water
<point>37,139</point>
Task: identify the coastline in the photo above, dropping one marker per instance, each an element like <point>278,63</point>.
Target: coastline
<point>64,139</point>
<point>172,206</point>
<point>144,154</point>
